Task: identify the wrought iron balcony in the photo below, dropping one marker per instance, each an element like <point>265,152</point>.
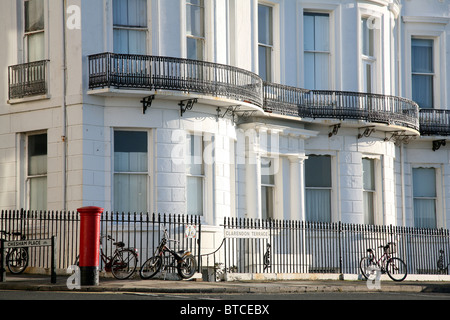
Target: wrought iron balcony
<point>27,79</point>
<point>341,105</point>
<point>434,122</point>
<point>111,70</point>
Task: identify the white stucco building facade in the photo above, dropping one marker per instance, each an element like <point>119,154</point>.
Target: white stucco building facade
<point>323,110</point>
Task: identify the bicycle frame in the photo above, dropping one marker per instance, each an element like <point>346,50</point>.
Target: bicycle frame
<point>107,260</point>
<point>383,259</point>
<point>163,248</point>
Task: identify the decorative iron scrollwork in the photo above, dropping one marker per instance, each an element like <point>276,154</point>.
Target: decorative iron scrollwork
<point>437,144</point>
<point>147,103</point>
<point>335,130</point>
<point>186,105</point>
<point>367,132</point>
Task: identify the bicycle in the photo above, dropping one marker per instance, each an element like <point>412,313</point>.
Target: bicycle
<point>16,258</point>
<point>440,262</point>
<point>122,263</point>
<point>185,261</point>
<point>394,267</point>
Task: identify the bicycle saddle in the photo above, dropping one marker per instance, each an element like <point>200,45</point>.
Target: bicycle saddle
<point>119,244</point>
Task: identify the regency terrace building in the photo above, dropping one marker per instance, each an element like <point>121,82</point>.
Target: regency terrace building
<point>324,110</point>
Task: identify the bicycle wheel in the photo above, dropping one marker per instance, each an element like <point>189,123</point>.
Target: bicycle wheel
<point>396,269</point>
<point>17,260</point>
<point>150,267</point>
<point>187,267</point>
<point>124,264</point>
<point>368,268</point>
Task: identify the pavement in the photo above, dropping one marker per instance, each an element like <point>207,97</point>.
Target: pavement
<point>107,284</point>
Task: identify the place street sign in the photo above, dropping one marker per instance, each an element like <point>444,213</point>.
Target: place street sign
<point>28,243</point>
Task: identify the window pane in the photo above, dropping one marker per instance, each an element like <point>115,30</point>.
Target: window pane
<point>195,21</point>
<point>368,207</point>
<point>310,79</point>
<point>424,182</point>
<point>267,202</point>
<point>137,43</point>
<point>265,62</point>
<point>195,48</point>
<point>321,33</point>
<point>308,32</point>
<point>36,46</point>
<point>130,151</point>
<point>38,193</point>
<point>194,191</point>
<point>267,171</point>
<point>368,174</point>
<point>265,34</point>
<point>130,13</point>
<point>422,55</point>
<point>316,31</point>
<point>422,89</point>
<point>367,37</point>
<point>194,155</point>
<point>34,15</point>
<point>318,205</point>
<point>425,213</point>
<point>321,70</point>
<point>37,154</point>
<point>318,171</point>
<point>130,192</point>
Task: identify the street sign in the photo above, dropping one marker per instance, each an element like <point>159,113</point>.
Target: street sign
<point>247,233</point>
<point>28,243</point>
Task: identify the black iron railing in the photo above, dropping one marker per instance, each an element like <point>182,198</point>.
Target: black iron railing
<point>138,230</point>
<point>435,122</point>
<point>314,247</point>
<point>27,79</point>
<point>341,105</point>
<point>165,73</point>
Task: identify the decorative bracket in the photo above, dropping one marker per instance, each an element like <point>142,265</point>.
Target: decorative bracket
<point>437,144</point>
<point>400,137</point>
<point>335,130</point>
<point>367,132</point>
<point>234,111</point>
<point>147,103</point>
<point>186,105</point>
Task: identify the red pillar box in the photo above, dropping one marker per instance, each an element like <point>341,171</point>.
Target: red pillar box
<point>89,245</point>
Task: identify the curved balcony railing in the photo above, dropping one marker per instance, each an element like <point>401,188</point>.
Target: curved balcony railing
<point>165,73</point>
<point>435,122</point>
<point>341,105</point>
<point>113,70</point>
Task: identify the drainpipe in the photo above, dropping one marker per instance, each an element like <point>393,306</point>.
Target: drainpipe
<point>63,109</point>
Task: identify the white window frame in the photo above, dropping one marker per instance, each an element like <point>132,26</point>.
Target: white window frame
<point>427,28</point>
<point>376,194</point>
<point>200,176</point>
<point>373,21</point>
<point>330,188</point>
<point>315,51</point>
<point>148,173</point>
<point>439,207</point>
<point>269,187</point>
<point>268,47</point>
<point>429,74</point>
<point>26,34</point>
<point>26,174</point>
<point>200,38</point>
